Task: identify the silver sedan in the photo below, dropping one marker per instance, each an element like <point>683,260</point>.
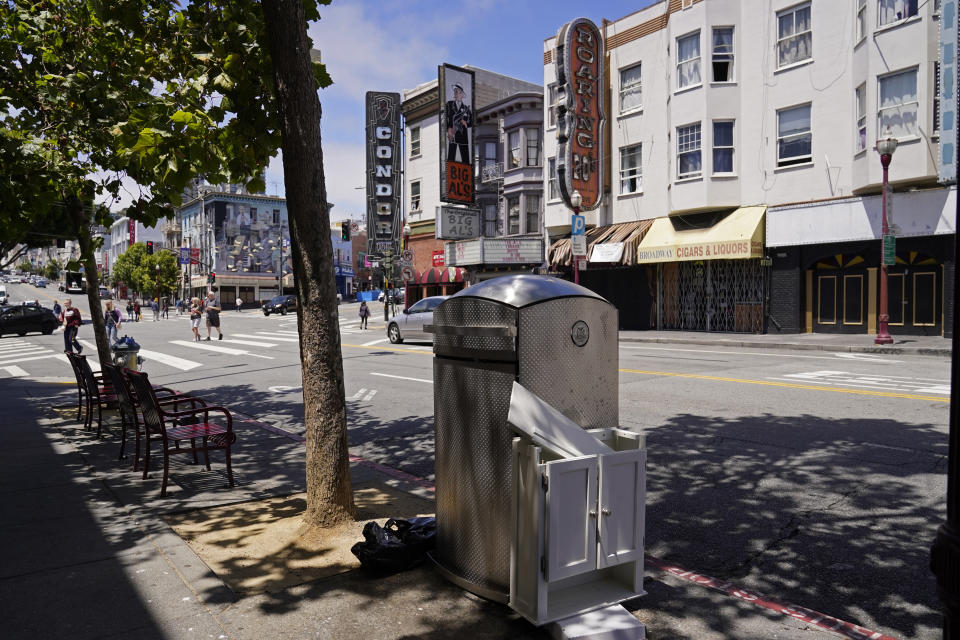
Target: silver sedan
<point>408,325</point>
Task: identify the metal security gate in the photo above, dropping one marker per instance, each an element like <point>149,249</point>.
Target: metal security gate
<point>711,295</point>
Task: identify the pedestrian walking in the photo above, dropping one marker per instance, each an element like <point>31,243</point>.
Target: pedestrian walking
<point>180,307</point>
<point>129,311</point>
<point>112,319</point>
<point>136,311</point>
<point>57,309</point>
<point>71,320</point>
<point>195,316</point>
<point>239,303</point>
<point>364,314</point>
<point>165,314</point>
<point>212,307</point>
<point>155,307</point>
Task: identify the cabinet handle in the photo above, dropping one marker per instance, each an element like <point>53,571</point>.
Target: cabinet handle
<point>593,514</point>
<point>605,512</point>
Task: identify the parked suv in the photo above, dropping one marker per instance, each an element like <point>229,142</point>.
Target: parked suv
<point>280,304</point>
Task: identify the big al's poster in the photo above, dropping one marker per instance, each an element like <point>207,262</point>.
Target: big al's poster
<point>456,134</point>
<point>383,172</point>
<point>580,115</point>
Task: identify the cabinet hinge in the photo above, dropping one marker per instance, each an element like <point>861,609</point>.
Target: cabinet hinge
<point>545,482</point>
<point>543,565</point>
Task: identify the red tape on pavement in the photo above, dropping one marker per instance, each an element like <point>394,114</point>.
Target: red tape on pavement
<point>822,620</point>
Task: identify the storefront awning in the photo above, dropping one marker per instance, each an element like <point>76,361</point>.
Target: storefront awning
<point>739,235</point>
<point>452,274</point>
<point>612,244</point>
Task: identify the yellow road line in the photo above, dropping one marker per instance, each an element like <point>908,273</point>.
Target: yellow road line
<point>788,385</point>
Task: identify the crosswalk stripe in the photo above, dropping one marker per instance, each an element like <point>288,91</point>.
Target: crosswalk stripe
<point>270,336</point>
<point>370,344</point>
<point>283,332</point>
<point>23,351</point>
<point>14,371</point>
<point>219,349</point>
<point>6,361</point>
<point>249,342</point>
<point>170,361</point>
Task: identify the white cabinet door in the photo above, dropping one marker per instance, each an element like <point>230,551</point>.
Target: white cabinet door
<point>622,499</point>
<point>571,514</point>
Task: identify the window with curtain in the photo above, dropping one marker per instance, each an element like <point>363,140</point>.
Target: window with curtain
<point>514,139</point>
<point>689,162</point>
<point>794,36</point>
<point>890,11</point>
<point>552,105</point>
<point>532,205</point>
<point>861,96</point>
<point>723,146</point>
<point>630,89</point>
<point>490,220</point>
<point>631,169</point>
<point>861,19</point>
<point>794,139</point>
<point>414,141</point>
<point>553,192</point>
<point>489,153</point>
<point>897,100</point>
<point>533,147</point>
<point>513,215</point>
<point>722,55</point>
<point>688,60</point>
<point>415,195</point>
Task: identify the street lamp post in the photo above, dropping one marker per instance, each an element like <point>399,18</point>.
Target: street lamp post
<point>158,283</point>
<point>406,245</point>
<point>575,201</point>
<point>885,148</point>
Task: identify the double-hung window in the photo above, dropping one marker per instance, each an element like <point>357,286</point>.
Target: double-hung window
<point>415,195</point>
<point>553,192</point>
<point>689,162</point>
<point>861,96</point>
<point>551,106</point>
<point>722,60</point>
<point>794,138</point>
<point>513,215</point>
<point>897,102</point>
<point>891,11</point>
<point>414,141</point>
<point>794,36</point>
<point>688,60</point>
<point>514,139</point>
<point>489,153</point>
<point>630,89</point>
<point>723,146</point>
<point>631,169</point>
<point>531,203</point>
<point>490,216</point>
<point>861,19</point>
<point>533,147</point>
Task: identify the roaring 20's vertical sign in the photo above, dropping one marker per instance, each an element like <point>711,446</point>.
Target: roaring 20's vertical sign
<point>580,117</point>
<point>383,172</point>
<point>456,134</point>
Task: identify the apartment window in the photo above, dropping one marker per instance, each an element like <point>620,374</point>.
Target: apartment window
<point>552,105</point>
<point>513,215</point>
<point>891,11</point>
<point>533,147</point>
<point>631,169</point>
<point>514,140</point>
<point>630,94</point>
<point>532,204</point>
<point>414,141</point>
<point>276,216</point>
<point>936,97</point>
<point>689,163</point>
<point>553,192</point>
<point>861,96</point>
<point>723,146</point>
<point>722,54</point>
<point>794,139</point>
<point>794,37</point>
<point>897,113</point>
<point>861,19</point>
<point>415,195</point>
<point>490,220</point>
<point>688,60</point>
<point>489,153</point>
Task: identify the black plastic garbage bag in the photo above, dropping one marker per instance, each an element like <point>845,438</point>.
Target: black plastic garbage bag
<point>397,546</point>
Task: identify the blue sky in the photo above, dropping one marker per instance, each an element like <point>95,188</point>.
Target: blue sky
<point>392,45</point>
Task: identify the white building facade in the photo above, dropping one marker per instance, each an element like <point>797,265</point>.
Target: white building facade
<point>742,174</point>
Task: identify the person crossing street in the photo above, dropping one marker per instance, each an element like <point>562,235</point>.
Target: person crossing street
<point>212,307</point>
<point>71,320</point>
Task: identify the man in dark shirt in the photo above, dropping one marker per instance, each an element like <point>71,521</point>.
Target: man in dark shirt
<point>71,325</point>
<point>212,306</point>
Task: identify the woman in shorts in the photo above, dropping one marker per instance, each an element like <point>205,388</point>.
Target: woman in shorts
<point>195,316</point>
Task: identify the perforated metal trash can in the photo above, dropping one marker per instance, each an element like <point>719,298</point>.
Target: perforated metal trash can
<point>557,339</point>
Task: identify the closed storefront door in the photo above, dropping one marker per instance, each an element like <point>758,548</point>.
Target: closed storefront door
<point>712,295</point>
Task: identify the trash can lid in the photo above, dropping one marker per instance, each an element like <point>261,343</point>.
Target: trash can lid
<point>521,290</point>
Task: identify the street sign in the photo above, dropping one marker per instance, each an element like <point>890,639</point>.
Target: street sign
<point>582,263</point>
<point>407,256</point>
<point>889,250</point>
<point>579,245</point>
<point>184,255</point>
<point>578,225</point>
<point>408,274</point>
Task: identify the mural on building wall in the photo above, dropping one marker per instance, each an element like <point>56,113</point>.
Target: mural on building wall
<point>247,239</point>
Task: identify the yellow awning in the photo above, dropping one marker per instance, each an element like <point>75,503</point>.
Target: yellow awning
<point>739,235</point>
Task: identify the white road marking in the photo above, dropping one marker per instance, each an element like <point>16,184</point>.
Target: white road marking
<point>370,344</point>
<point>219,349</point>
<point>270,336</point>
<point>865,357</point>
<point>170,361</point>
<point>14,371</point>
<point>282,389</point>
<point>23,351</point>
<point>370,395</point>
<point>874,382</point>
<point>357,395</point>
<point>7,361</point>
<point>387,375</point>
<point>249,342</point>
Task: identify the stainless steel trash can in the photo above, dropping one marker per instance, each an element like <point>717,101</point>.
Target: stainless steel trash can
<point>557,339</point>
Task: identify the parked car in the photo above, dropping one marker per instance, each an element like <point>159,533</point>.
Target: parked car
<point>21,319</point>
<point>408,324</point>
<point>42,283</point>
<point>280,304</point>
<point>4,298</point>
<point>396,294</point>
<point>105,293</point>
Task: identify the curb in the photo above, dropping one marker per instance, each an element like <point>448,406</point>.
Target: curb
<point>918,351</point>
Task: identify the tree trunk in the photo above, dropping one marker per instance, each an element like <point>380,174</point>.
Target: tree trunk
<point>82,228</point>
<point>329,493</point>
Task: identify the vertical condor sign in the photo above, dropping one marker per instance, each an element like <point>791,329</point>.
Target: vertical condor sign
<point>383,172</point>
<point>580,116</point>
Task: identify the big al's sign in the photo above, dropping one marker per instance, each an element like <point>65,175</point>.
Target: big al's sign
<point>580,117</point>
<point>383,172</point>
<point>456,134</point>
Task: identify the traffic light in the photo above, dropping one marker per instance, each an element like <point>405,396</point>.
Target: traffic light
<point>345,230</point>
<point>213,277</point>
<point>150,247</point>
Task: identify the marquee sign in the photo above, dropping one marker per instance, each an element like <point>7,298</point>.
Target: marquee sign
<point>383,172</point>
<point>580,115</point>
<point>457,111</point>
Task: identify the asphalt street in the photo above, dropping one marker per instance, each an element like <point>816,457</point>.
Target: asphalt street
<point>815,478</point>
